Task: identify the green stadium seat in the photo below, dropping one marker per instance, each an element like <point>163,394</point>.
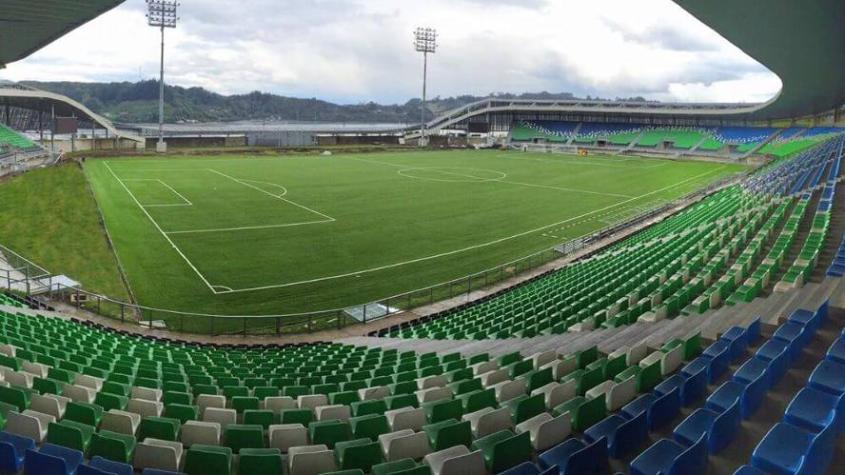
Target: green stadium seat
<point>439,411</point>
<point>359,454</point>
<point>450,433</point>
<point>84,413</point>
<point>162,428</point>
<point>369,426</point>
<point>112,446</point>
<point>181,412</point>
<point>208,460</point>
<point>329,433</point>
<point>241,436</point>
<point>260,462</point>
<point>70,434</point>
<point>243,403</point>
<point>263,417</point>
<point>503,450</point>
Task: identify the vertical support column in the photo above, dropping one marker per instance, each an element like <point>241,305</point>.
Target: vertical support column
<point>53,128</point>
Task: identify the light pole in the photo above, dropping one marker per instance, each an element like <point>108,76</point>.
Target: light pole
<point>425,42</point>
<point>161,14</point>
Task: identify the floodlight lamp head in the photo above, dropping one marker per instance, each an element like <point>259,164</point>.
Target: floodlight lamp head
<point>425,40</point>
<point>162,13</point>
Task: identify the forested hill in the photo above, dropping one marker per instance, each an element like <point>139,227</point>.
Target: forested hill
<point>138,102</point>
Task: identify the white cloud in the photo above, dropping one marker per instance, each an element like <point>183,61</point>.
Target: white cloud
<point>359,50</point>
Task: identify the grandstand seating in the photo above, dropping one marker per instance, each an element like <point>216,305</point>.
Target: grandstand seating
<point>79,392</point>
<point>10,138</point>
<point>743,135</point>
<point>679,266</point>
<point>782,142</point>
<point>80,398</point>
<point>547,130</point>
<point>590,131</point>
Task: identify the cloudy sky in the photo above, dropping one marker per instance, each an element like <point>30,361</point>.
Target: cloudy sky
<point>352,51</point>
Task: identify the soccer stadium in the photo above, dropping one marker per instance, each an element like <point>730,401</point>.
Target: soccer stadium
<point>513,286</point>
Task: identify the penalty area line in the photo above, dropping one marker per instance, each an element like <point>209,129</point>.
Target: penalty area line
<point>248,228</point>
<point>163,234</point>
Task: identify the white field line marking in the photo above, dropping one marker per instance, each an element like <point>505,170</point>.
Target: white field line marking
<point>275,185</point>
<point>403,165</point>
<point>609,158</point>
<point>469,248</point>
<point>154,170</point>
<point>574,190</point>
<point>163,234</point>
<point>247,228</point>
<point>279,197</point>
<point>187,202</point>
<point>467,175</point>
<point>470,178</point>
<point>587,162</point>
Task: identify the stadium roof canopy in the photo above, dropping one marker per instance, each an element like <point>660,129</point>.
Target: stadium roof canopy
<point>800,41</point>
<point>28,25</point>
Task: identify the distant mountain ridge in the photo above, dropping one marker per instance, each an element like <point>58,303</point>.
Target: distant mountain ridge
<point>138,102</point>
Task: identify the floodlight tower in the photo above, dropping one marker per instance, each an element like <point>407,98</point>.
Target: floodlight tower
<point>425,42</point>
<point>162,14</point>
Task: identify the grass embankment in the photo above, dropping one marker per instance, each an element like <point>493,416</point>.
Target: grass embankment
<point>50,216</point>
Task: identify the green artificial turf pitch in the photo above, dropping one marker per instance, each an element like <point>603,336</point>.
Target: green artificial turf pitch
<point>235,235</point>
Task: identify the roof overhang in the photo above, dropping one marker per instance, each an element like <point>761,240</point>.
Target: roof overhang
<point>28,25</point>
<point>62,106</point>
<point>800,41</point>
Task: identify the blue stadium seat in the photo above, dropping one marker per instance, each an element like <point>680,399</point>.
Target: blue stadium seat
<point>692,383</point>
<point>89,470</point>
<point>829,377</point>
<point>719,355</point>
<point>52,459</point>
<point>575,457</point>
<point>526,468</point>
<point>753,331</point>
<point>810,320</point>
<point>738,339</point>
<point>664,409</point>
<point>813,410</point>
<point>640,405</point>
<point>749,397</point>
<point>751,370</point>
<point>659,410</point>
<point>719,427</point>
<point>106,466</point>
<point>667,457</point>
<point>776,353</point>
<point>749,470</point>
<point>12,450</point>
<point>836,352</point>
<point>786,449</point>
<point>623,436</point>
<point>792,334</point>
